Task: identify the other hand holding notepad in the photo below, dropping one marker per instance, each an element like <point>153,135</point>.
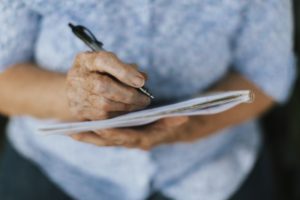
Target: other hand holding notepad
<point>203,105</point>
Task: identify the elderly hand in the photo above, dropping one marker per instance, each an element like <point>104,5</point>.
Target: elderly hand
<point>167,130</point>
<point>101,86</point>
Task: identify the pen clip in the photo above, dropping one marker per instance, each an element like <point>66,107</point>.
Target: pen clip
<point>87,37</point>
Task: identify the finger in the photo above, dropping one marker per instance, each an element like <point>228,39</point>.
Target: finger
<point>127,137</point>
<point>108,105</point>
<point>135,66</point>
<point>131,138</point>
<point>92,138</point>
<point>115,91</point>
<point>173,121</point>
<point>107,62</point>
<point>95,139</point>
<point>115,133</point>
<point>84,110</point>
<point>94,114</point>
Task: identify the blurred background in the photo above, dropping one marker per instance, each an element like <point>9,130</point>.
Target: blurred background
<point>282,133</point>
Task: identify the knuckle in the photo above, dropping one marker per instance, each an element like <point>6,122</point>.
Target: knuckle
<point>104,57</point>
<point>79,57</point>
<point>79,65</point>
<point>99,83</point>
<point>109,54</point>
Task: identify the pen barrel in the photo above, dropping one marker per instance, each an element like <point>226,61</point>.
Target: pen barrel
<point>146,92</point>
<point>96,47</point>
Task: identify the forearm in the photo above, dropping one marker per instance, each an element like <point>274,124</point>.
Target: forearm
<point>212,123</point>
<point>184,129</point>
<point>26,89</point>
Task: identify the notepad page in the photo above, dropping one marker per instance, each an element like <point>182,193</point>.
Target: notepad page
<point>203,105</point>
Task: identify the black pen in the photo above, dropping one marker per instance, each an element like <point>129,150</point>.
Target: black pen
<point>91,41</point>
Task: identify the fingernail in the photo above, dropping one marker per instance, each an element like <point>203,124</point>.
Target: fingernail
<point>138,81</point>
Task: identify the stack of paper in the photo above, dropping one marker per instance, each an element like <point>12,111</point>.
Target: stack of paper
<point>203,105</point>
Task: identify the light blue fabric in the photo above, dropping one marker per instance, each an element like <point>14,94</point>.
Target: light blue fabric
<point>17,35</point>
<point>185,47</point>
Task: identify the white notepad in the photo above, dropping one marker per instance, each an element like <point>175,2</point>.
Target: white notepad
<point>203,105</point>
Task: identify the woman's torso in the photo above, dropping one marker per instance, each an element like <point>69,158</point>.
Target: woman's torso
<point>185,47</point>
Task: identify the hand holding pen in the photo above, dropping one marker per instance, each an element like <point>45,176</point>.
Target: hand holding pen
<point>99,85</point>
<point>91,41</point>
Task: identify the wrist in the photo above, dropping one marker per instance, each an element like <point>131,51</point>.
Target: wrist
<point>201,127</point>
<point>61,111</point>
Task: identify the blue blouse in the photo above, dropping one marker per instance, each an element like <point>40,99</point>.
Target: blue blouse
<point>185,46</point>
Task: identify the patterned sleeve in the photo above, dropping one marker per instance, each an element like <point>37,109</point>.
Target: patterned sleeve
<point>263,47</point>
<point>18,28</point>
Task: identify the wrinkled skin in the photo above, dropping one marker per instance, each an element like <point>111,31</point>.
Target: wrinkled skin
<point>167,130</point>
<point>100,86</point>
